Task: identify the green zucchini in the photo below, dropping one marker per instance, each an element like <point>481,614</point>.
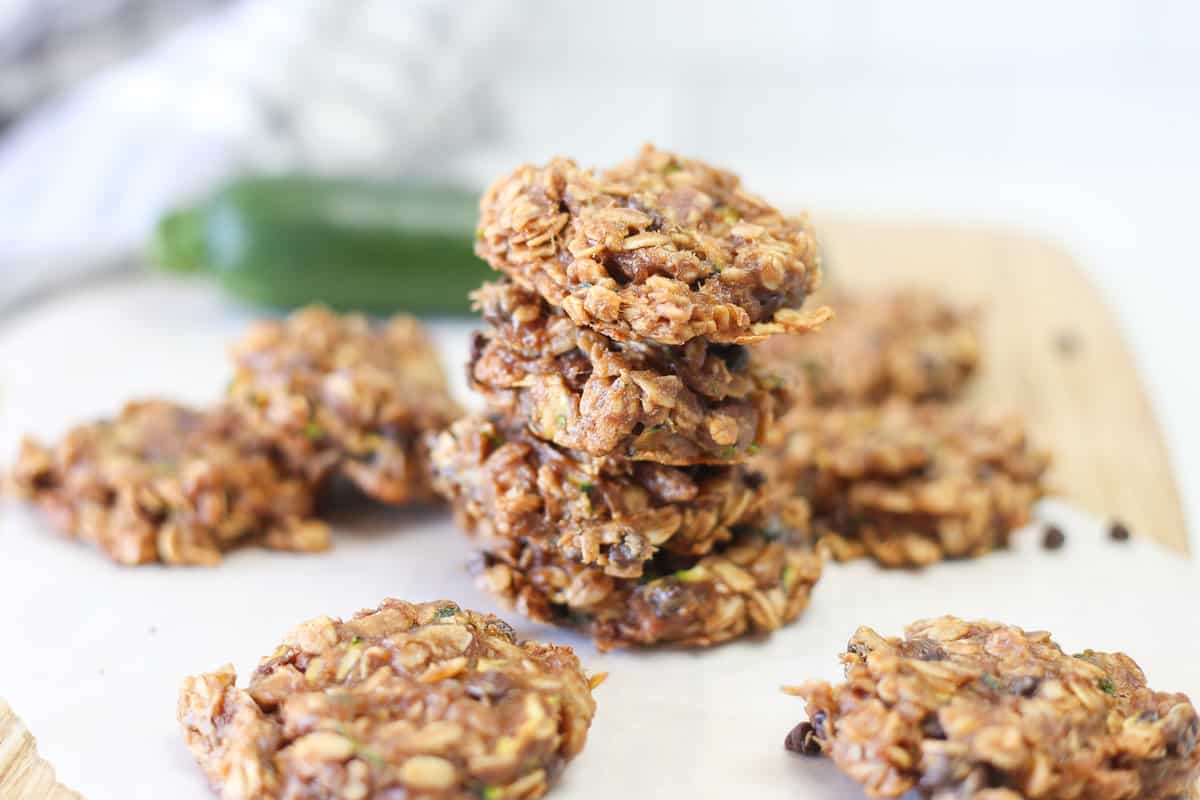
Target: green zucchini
<point>352,245</point>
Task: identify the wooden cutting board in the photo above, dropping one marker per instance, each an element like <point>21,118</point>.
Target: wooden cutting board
<point>23,775</point>
<point>1051,350</point>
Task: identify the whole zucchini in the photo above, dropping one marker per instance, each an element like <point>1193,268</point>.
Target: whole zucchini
<point>353,245</point>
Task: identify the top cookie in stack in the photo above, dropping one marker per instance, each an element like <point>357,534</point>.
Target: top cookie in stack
<point>659,248</point>
<point>608,481</point>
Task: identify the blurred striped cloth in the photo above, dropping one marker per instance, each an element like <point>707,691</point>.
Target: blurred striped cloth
<point>195,90</point>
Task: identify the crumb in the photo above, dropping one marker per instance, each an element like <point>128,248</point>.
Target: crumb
<point>1118,532</point>
<point>1053,538</point>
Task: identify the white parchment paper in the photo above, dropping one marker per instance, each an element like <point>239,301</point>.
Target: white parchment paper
<point>91,654</point>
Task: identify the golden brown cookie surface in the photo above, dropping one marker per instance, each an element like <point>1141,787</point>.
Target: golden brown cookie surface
<point>164,482</point>
<point>423,701</point>
<point>693,404</point>
<point>659,247</point>
<point>342,394</point>
<point>754,584</point>
<point>989,711</point>
<point>908,344</point>
<point>908,484</point>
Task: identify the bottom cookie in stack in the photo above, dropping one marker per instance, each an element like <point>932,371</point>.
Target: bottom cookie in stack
<point>908,484</point>
<point>632,553</point>
<point>754,584</point>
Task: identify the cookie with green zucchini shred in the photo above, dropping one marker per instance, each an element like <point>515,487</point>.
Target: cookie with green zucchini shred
<point>697,403</point>
<point>505,484</point>
<point>750,586</point>
<point>163,482</point>
<point>425,701</point>
<point>659,247</point>
<point>957,709</point>
<point>341,394</point>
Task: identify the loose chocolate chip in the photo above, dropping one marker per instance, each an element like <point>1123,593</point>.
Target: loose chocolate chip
<point>1025,686</point>
<point>1067,343</point>
<point>803,740</point>
<point>1118,532</point>
<point>1053,538</point>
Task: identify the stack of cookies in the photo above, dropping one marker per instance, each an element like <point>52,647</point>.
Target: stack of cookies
<point>608,481</point>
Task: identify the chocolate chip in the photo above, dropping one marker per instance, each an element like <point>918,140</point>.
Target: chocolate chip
<point>1025,686</point>
<point>1148,716</point>
<point>670,600</point>
<point>932,727</point>
<point>859,649</point>
<point>803,740</point>
<point>1118,532</point>
<point>924,650</point>
<point>818,723</point>
<point>479,343</point>
<point>735,356</point>
<point>753,480</point>
<point>1053,538</point>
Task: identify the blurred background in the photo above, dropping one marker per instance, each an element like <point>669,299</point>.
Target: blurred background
<point>1078,121</point>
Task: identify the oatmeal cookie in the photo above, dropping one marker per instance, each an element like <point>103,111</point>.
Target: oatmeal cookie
<point>341,394</point>
<point>908,484</point>
<point>504,483</point>
<point>908,344</point>
<point>163,482</point>
<point>982,710</point>
<point>659,248</point>
<point>421,701</point>
<point>754,584</point>
<point>698,403</point>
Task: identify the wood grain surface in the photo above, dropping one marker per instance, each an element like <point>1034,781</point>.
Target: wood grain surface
<point>23,774</point>
<point>1051,350</point>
